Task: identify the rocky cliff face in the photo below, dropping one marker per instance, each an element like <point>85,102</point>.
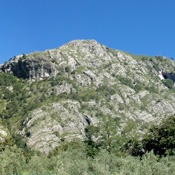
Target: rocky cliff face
<point>51,63</point>
<point>87,78</point>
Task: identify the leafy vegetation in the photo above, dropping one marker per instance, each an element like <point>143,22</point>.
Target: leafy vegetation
<point>160,138</point>
<point>168,83</point>
<point>105,133</point>
<point>155,66</point>
<point>75,161</point>
<point>137,86</point>
<point>112,147</point>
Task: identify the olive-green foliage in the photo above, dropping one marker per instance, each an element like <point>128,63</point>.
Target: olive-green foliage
<point>11,162</point>
<point>14,98</point>
<point>159,58</point>
<point>137,86</point>
<point>89,157</point>
<point>7,79</point>
<point>160,138</point>
<point>74,161</point>
<point>106,133</point>
<point>155,66</point>
<point>144,58</point>
<point>40,165</point>
<point>168,83</point>
<point>16,103</point>
<point>126,81</point>
<point>54,61</point>
<point>110,136</point>
<point>152,89</point>
<point>105,90</point>
<point>74,144</point>
<point>84,96</point>
<point>121,106</point>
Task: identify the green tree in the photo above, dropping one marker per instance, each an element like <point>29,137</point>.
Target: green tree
<point>40,165</point>
<point>11,161</point>
<point>168,83</point>
<point>106,134</point>
<point>160,138</point>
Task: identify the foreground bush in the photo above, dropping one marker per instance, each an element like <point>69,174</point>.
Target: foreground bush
<point>77,162</point>
<point>73,163</point>
<point>160,138</point>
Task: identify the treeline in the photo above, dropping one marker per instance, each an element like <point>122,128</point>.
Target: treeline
<point>110,154</point>
<point>116,150</point>
<point>75,161</point>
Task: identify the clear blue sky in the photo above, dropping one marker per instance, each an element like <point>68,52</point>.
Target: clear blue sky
<point>136,26</point>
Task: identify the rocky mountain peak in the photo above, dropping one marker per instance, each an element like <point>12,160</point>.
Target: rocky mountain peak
<point>82,80</point>
<point>50,63</point>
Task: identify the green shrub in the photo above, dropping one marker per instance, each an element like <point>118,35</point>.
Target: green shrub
<point>168,83</point>
<point>54,61</point>
<point>152,89</point>
<point>73,160</point>
<point>126,81</point>
<point>159,58</point>
<point>11,162</point>
<point>144,58</point>
<point>160,138</point>
<point>105,90</point>
<point>155,66</point>
<point>137,86</point>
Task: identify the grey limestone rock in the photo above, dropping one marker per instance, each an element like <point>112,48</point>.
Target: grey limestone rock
<point>109,81</point>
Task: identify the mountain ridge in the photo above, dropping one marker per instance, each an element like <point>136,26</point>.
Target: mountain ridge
<point>64,90</point>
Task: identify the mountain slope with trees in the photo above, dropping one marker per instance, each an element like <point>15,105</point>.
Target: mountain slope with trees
<point>84,93</point>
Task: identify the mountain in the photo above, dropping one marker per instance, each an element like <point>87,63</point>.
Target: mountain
<point>52,97</point>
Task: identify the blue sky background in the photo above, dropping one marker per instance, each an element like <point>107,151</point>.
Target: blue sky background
<point>137,26</point>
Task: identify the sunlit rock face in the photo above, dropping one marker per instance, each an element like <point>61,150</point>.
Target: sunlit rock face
<point>86,79</point>
<point>32,68</point>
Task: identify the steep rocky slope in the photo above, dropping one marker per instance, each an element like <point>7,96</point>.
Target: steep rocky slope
<point>71,86</point>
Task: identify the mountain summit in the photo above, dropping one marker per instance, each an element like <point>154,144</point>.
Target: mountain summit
<point>54,95</point>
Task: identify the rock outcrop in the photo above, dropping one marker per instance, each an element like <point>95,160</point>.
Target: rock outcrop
<point>87,78</point>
